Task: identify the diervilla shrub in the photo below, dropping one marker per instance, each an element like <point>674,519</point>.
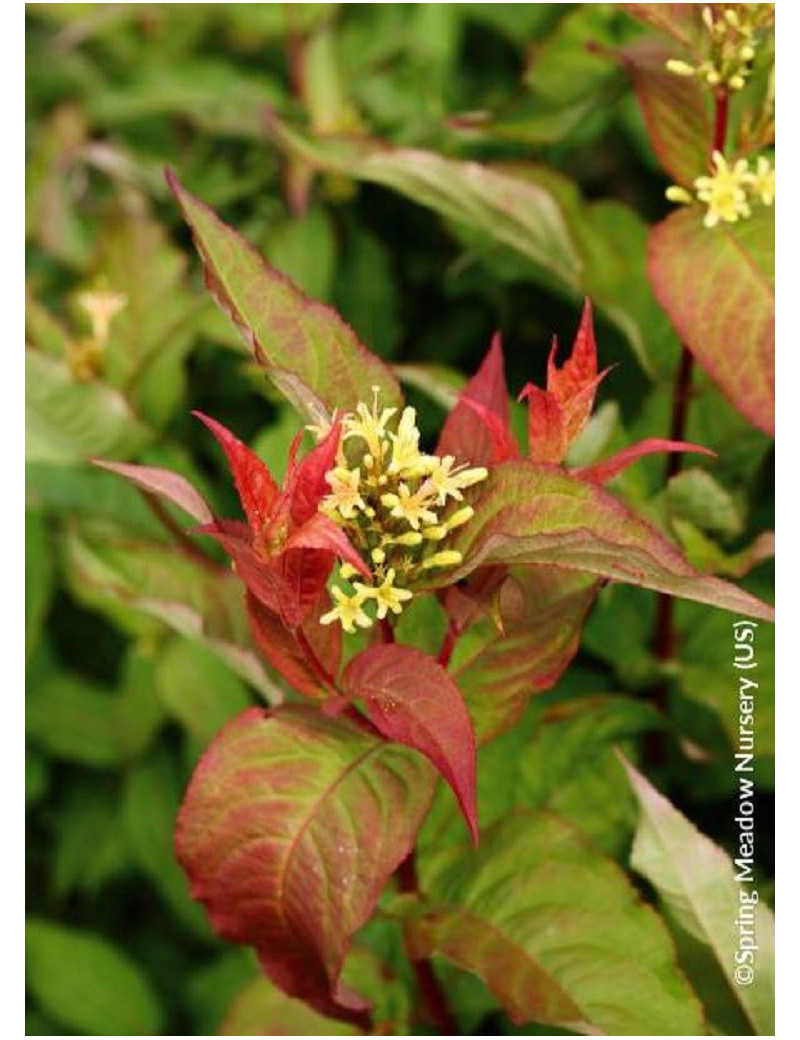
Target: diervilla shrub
<point>298,816</point>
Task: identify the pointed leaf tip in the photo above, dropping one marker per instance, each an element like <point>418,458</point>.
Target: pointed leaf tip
<point>410,698</point>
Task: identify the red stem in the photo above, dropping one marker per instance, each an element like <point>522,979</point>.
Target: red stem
<point>665,637</point>
<point>448,644</point>
<point>387,631</point>
<point>434,1000</point>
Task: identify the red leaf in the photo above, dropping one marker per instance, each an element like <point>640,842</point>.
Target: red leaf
<point>321,533</point>
<point>547,433</point>
<point>412,699</point>
<point>574,385</point>
<point>307,482</point>
<point>605,470</point>
<point>483,404</point>
<point>280,647</point>
<point>291,826</point>
<point>163,482</point>
<point>258,491</point>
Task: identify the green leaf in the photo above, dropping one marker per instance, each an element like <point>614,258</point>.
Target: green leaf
<point>39,577</point>
<point>313,358</point>
<point>304,248</point>
<point>521,215</point>
<point>542,611</point>
<point>198,689</point>
<point>81,722</point>
<point>90,847</point>
<point>730,333</point>
<point>67,422</point>
<point>533,514</point>
<point>260,1009</point>
<point>74,720</point>
<point>87,984</point>
<point>697,882</point>
<point>695,496</point>
<point>556,931</point>
<point>569,766</point>
<point>149,338</point>
<point>149,810</point>
<point>293,861</point>
<point>139,583</point>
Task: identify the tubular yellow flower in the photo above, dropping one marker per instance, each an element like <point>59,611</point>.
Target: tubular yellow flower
<point>102,306</point>
<point>445,558</point>
<point>345,494</point>
<point>386,596</point>
<point>370,425</point>
<point>414,507</point>
<point>445,480</point>
<point>349,610</point>
<point>762,181</point>
<point>724,191</point>
<point>405,443</point>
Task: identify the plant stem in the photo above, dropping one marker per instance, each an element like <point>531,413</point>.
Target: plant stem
<point>448,644</point>
<point>664,641</point>
<point>434,1000</point>
<point>183,541</point>
<point>387,631</point>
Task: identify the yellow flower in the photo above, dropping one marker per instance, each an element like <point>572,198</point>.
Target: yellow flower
<point>370,425</point>
<point>444,480</point>
<point>412,507</point>
<point>724,191</point>
<point>446,558</point>
<point>102,306</point>
<point>348,610</point>
<point>386,596</point>
<point>762,182</point>
<point>405,443</point>
<point>345,496</point>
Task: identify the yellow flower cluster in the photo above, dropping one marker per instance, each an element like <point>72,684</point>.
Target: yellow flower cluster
<point>397,505</point>
<point>732,40</point>
<point>729,190</point>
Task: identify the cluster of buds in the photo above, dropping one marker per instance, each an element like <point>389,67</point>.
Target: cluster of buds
<point>730,189</point>
<point>732,40</point>
<point>85,356</point>
<point>397,505</point>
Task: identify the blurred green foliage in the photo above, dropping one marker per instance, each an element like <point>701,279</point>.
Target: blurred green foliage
<point>135,656</point>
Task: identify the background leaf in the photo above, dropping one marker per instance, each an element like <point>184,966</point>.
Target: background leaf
<point>687,263</point>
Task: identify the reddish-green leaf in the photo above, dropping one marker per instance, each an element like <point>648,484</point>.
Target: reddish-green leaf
<point>680,21</point>
<point>166,484</point>
<point>291,826</point>
<point>542,610</point>
<point>412,699</point>
<point>697,882</point>
<point>311,355</point>
<point>675,108</point>
<point>556,931</point>
<point>526,513</point>
<point>718,287</point>
<point>466,433</point>
<point>605,470</point>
